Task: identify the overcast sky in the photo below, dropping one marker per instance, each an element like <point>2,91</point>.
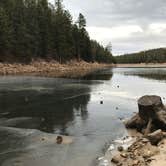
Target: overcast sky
<point>130,25</point>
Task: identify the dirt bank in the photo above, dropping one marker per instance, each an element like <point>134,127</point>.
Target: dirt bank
<point>54,69</point>
<point>142,65</point>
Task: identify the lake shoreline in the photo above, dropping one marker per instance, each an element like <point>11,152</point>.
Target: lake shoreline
<point>142,65</point>
<point>148,148</point>
<point>72,69</point>
<point>140,152</point>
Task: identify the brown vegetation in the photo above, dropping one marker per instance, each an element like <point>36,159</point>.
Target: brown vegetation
<point>51,68</point>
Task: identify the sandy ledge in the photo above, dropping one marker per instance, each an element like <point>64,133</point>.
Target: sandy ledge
<point>52,68</point>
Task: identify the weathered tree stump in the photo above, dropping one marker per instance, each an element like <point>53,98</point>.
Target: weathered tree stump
<point>136,123</point>
<point>152,115</point>
<point>148,106</point>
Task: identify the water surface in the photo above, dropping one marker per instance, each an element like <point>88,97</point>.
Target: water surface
<point>31,107</point>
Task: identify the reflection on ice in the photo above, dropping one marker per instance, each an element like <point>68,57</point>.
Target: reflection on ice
<point>69,107</point>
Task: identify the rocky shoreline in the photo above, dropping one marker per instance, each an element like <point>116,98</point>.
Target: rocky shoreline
<point>141,153</point>
<point>149,148</point>
<point>52,68</point>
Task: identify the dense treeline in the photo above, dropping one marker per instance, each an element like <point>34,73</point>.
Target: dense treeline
<point>149,56</point>
<point>37,29</point>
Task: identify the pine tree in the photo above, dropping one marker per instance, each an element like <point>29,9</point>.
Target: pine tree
<point>5,32</point>
<point>36,29</point>
<point>81,21</point>
<point>63,33</point>
<point>43,18</point>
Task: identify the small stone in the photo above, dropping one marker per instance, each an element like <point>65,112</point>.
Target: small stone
<point>116,159</point>
<point>43,139</point>
<point>124,155</point>
<point>147,154</point>
<point>121,119</point>
<point>120,148</point>
<point>145,140</point>
<point>132,156</point>
<point>59,139</point>
<point>135,162</point>
<point>149,160</point>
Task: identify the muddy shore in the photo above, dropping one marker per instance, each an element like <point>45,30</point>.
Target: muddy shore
<point>51,69</point>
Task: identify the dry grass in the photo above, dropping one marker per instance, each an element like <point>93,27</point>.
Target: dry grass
<point>52,68</point>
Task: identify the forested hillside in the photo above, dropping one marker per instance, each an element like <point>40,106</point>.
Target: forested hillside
<point>149,56</point>
<point>32,29</point>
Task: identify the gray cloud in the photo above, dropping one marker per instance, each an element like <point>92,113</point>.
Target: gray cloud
<point>118,13</point>
<point>140,41</point>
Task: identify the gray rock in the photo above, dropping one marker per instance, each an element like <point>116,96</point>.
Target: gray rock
<point>120,148</point>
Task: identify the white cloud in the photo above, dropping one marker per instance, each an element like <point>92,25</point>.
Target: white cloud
<point>131,25</point>
<point>157,27</point>
<point>131,38</point>
<point>106,34</point>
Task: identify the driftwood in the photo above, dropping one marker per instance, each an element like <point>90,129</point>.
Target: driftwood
<point>151,116</point>
<point>156,137</point>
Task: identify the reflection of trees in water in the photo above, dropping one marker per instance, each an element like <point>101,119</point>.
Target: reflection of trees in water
<point>99,75</point>
<point>154,76</point>
<point>62,113</point>
<point>55,110</point>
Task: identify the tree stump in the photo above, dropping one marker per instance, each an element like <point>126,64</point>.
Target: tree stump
<point>152,115</point>
<point>149,106</point>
